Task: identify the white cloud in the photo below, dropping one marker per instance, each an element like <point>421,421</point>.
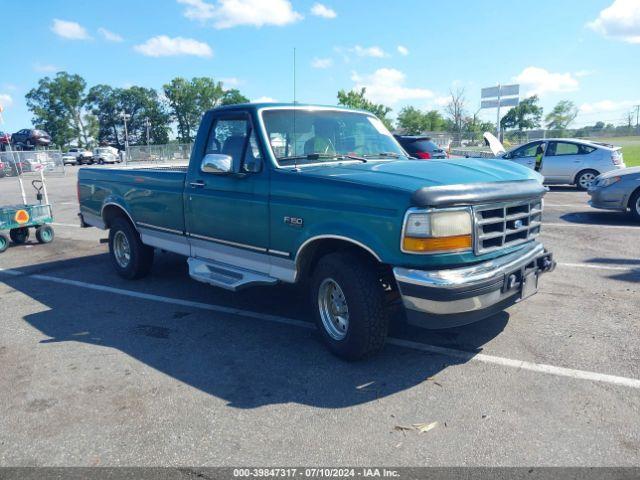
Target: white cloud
<point>620,21</point>
<point>109,35</point>
<point>320,10</point>
<point>321,62</point>
<point>233,13</point>
<point>605,106</point>
<point>584,73</point>
<point>441,101</point>
<point>45,68</point>
<point>69,30</point>
<point>539,81</point>
<point>386,85</point>
<point>263,100</point>
<point>373,51</point>
<point>230,81</point>
<point>402,50</point>
<point>164,46</point>
<point>6,100</point>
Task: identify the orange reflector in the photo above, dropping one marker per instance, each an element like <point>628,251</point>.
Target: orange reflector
<point>459,242</point>
<point>22,216</point>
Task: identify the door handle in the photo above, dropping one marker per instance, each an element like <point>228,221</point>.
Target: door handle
<point>197,184</point>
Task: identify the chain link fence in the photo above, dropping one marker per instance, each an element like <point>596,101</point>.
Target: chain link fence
<point>30,163</point>
<point>169,153</point>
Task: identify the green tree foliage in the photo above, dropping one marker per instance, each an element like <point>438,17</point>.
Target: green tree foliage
<point>413,121</point>
<point>526,115</point>
<point>356,99</point>
<point>562,115</point>
<point>189,99</point>
<point>58,108</point>
<point>107,104</point>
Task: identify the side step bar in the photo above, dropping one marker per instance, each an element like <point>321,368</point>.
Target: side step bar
<point>226,276</point>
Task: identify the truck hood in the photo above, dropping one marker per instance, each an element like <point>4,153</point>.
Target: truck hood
<point>411,175</point>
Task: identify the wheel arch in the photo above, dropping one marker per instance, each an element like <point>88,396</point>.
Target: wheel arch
<point>111,211</point>
<point>632,196</point>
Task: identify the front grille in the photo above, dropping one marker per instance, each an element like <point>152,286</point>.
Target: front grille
<point>502,225</point>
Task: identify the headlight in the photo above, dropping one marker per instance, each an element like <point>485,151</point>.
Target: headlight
<point>605,182</point>
<point>437,231</point>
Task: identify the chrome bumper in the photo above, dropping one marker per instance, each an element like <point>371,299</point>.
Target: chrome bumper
<point>448,298</point>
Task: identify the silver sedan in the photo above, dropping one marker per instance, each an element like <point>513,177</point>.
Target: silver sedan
<point>617,190</point>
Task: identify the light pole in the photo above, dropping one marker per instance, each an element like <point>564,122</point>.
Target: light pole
<point>147,124</point>
<point>125,117</point>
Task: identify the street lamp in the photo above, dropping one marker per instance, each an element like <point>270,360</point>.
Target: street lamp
<point>125,117</point>
<point>147,124</point>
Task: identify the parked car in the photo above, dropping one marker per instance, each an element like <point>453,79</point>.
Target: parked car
<point>68,159</point>
<point>421,147</point>
<point>5,140</point>
<point>104,155</point>
<point>30,138</point>
<point>617,190</point>
<point>81,155</point>
<point>338,207</point>
<point>569,160</point>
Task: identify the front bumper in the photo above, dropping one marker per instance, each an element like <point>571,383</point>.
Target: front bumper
<point>608,198</point>
<point>449,298</point>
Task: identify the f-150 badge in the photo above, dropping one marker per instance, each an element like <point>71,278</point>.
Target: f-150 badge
<point>293,221</point>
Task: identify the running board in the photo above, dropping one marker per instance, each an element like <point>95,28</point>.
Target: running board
<point>226,276</point>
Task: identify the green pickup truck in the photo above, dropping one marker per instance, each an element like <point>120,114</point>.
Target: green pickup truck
<point>326,197</point>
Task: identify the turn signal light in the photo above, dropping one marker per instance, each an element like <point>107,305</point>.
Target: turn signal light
<point>439,244</point>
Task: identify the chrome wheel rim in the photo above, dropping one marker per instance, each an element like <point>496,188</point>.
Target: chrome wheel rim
<point>334,311</point>
<point>586,179</point>
<point>121,249</point>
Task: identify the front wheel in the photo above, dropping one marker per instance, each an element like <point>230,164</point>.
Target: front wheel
<point>634,205</point>
<point>44,234</point>
<point>4,242</point>
<point>349,303</point>
<point>19,235</point>
<point>131,258</point>
<point>585,178</point>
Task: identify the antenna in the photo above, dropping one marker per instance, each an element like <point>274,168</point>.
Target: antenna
<point>295,153</point>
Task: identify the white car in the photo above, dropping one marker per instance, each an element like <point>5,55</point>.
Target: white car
<point>104,155</point>
<point>81,155</point>
<point>566,161</point>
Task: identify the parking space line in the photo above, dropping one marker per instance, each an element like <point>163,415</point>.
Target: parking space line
<point>459,354</point>
<point>587,225</point>
<point>56,224</point>
<point>597,267</point>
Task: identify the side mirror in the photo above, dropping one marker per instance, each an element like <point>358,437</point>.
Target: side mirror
<point>217,163</point>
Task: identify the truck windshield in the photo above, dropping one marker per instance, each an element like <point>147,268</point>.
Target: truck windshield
<point>315,136</point>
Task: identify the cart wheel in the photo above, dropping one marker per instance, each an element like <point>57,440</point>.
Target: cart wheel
<point>4,242</point>
<point>19,235</point>
<point>44,234</point>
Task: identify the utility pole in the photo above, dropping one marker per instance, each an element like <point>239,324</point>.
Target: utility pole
<point>125,117</point>
<point>637,107</point>
<point>147,124</point>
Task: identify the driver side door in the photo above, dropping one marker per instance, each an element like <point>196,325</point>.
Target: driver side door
<point>525,155</point>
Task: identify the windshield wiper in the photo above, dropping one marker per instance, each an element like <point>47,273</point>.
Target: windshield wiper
<point>318,156</point>
<point>383,154</point>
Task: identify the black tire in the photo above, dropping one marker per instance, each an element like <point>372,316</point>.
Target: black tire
<point>19,235</point>
<point>368,318</point>
<point>44,234</point>
<point>140,258</point>
<point>580,183</point>
<point>634,205</point>
<point>4,242</point>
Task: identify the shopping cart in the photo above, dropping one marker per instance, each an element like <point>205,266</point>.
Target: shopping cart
<point>18,219</point>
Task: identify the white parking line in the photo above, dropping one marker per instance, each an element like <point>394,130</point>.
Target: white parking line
<point>588,225</point>
<point>56,224</point>
<point>597,267</point>
<point>564,205</point>
<point>460,354</point>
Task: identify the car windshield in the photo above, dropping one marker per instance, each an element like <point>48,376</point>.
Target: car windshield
<point>312,136</point>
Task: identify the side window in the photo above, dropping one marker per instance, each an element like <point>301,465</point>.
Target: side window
<point>252,161</point>
<point>564,148</point>
<point>526,151</point>
<point>585,149</point>
<point>229,137</point>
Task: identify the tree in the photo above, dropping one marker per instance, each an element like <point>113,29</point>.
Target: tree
<point>412,121</point>
<point>456,109</point>
<point>526,115</point>
<point>562,115</point>
<point>189,99</point>
<point>356,99</point>
<point>107,105</point>
<point>58,107</point>
<point>435,121</point>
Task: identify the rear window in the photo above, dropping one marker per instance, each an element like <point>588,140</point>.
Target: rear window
<point>421,146</point>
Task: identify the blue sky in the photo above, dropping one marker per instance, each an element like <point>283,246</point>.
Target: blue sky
<point>405,52</point>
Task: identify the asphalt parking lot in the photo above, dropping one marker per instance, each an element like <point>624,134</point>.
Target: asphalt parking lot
<point>98,371</point>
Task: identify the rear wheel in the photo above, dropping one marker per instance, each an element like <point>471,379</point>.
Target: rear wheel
<point>4,242</point>
<point>634,205</point>
<point>19,235</point>
<point>585,178</point>
<point>131,258</point>
<point>44,234</point>
<point>350,307</point>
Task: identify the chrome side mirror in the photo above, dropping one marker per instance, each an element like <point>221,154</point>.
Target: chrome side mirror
<point>216,163</point>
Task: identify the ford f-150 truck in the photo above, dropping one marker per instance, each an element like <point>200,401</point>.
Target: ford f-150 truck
<point>327,198</point>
